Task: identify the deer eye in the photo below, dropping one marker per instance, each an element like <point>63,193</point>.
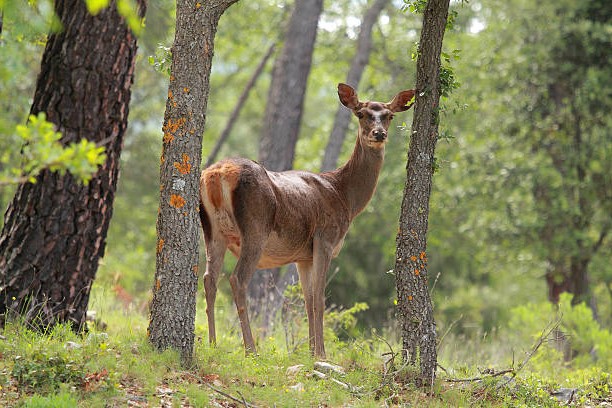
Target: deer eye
<point>359,114</point>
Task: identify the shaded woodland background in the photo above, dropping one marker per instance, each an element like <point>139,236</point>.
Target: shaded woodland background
<point>522,201</point>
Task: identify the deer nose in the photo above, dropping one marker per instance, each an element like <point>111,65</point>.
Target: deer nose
<point>379,135</point>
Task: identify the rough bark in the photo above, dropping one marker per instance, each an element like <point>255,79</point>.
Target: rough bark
<point>282,120</point>
<point>414,308</point>
<point>172,320</point>
<point>360,61</point>
<point>55,229</point>
<point>286,96</point>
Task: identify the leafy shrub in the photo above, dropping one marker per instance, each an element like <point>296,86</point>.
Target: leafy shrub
<point>579,339</point>
<point>43,372</point>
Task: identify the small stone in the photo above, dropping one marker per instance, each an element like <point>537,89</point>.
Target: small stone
<point>294,370</point>
<point>71,345</point>
<point>299,387</point>
<point>325,367</point>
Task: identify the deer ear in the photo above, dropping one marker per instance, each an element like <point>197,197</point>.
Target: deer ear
<point>348,96</point>
<point>399,103</point>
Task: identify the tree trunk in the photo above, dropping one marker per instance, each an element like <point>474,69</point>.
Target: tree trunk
<point>283,117</point>
<point>414,308</point>
<point>289,78</point>
<point>55,229</point>
<point>360,61</point>
<point>238,107</point>
<point>176,276</point>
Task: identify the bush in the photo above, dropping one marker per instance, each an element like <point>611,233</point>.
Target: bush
<point>578,341</point>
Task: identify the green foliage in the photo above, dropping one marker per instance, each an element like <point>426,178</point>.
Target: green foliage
<point>127,8</point>
<point>42,150</point>
<point>162,60</point>
<point>414,6</point>
<point>344,321</point>
<point>41,371</point>
<point>62,400</point>
<point>580,341</point>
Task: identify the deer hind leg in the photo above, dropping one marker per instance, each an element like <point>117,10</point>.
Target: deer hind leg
<point>305,273</point>
<point>250,253</point>
<point>215,252</point>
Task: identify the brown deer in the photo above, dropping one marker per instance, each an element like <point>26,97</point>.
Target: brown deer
<point>268,219</point>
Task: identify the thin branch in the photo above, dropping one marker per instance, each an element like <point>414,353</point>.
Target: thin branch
<point>514,371</point>
<point>472,379</point>
<point>238,400</point>
<point>600,241</point>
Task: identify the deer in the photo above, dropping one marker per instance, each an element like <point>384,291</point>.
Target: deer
<point>269,219</point>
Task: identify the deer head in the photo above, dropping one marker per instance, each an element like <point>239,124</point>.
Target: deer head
<point>374,117</point>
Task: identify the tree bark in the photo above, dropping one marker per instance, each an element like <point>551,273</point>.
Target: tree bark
<point>172,319</point>
<point>55,229</point>
<point>289,78</point>
<point>414,308</point>
<point>282,120</point>
<point>360,61</point>
<point>238,107</point>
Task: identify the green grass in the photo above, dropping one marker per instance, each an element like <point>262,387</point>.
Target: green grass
<point>118,367</point>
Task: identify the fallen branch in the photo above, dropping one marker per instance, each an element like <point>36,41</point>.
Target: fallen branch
<point>472,379</point>
<point>514,371</point>
<point>238,400</point>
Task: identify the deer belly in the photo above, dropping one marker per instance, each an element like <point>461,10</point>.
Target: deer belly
<point>275,253</point>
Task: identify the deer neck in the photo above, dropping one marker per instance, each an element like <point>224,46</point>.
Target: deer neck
<point>358,177</point>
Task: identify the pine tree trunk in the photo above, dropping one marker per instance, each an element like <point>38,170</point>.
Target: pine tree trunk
<point>55,229</point>
<point>414,309</point>
<point>282,121</point>
<point>178,226</point>
<point>360,61</point>
<point>289,78</point>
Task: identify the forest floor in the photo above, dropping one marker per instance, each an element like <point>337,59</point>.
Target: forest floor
<point>115,366</point>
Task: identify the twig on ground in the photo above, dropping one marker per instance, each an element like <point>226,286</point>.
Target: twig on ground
<point>240,401</point>
<point>472,379</point>
<point>514,371</point>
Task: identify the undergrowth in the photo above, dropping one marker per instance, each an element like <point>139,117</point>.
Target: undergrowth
<point>113,365</point>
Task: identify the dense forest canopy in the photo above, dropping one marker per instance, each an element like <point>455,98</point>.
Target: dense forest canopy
<point>521,207</point>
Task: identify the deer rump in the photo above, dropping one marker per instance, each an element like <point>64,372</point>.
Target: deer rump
<point>283,210</point>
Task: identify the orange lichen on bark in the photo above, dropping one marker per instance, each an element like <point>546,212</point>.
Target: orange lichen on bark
<point>413,258</point>
<point>168,138</point>
<point>409,297</point>
<point>157,284</point>
<point>185,166</point>
<point>177,201</point>
<point>171,126</point>
<point>160,245</point>
<point>417,272</point>
<point>228,172</point>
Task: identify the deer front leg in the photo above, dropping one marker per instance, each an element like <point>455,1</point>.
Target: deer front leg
<point>246,266</point>
<point>305,273</point>
<point>215,252</point>
<point>322,253</point>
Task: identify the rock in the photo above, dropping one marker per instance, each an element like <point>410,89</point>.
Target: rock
<point>299,387</point>
<point>294,370</point>
<point>325,367</point>
<point>566,395</point>
<point>71,345</point>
